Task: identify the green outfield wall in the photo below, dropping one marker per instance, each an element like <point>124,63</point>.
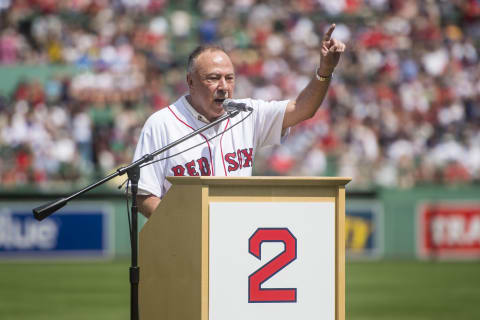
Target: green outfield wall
<point>115,201</point>
<point>383,223</point>
<point>402,207</point>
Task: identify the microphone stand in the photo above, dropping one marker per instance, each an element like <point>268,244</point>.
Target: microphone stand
<point>133,173</point>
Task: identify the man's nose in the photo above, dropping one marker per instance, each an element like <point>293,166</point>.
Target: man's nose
<point>222,83</point>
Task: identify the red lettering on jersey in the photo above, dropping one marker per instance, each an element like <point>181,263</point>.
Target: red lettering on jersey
<point>248,154</point>
<point>239,157</point>
<point>204,166</point>
<point>232,164</point>
<point>178,170</point>
<point>191,168</point>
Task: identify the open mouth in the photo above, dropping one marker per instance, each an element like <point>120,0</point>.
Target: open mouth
<point>220,100</point>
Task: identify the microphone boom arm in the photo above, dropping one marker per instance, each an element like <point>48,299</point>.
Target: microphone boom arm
<point>45,210</point>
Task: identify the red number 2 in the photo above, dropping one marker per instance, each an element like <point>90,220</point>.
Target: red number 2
<point>255,292</point>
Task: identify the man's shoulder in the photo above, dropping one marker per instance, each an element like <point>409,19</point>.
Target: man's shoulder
<point>249,101</point>
<point>158,117</point>
<point>258,103</point>
<point>164,116</point>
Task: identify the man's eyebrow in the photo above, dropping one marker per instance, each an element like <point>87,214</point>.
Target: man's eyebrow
<point>219,74</point>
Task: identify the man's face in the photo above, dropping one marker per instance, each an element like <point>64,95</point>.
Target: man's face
<point>211,82</point>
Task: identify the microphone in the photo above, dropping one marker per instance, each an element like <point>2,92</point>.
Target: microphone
<point>230,105</point>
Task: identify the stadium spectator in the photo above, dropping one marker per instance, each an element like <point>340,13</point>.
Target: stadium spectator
<point>403,108</point>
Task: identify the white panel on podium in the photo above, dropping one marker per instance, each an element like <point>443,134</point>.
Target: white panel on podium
<point>299,286</point>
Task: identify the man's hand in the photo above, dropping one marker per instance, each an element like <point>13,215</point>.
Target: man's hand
<point>330,53</point>
<point>311,97</point>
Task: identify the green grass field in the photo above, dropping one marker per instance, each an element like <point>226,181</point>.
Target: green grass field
<point>413,290</point>
<point>375,290</point>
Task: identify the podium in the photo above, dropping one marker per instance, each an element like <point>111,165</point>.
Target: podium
<point>221,248</point>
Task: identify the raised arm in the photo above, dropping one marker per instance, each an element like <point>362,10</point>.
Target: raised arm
<point>311,97</point>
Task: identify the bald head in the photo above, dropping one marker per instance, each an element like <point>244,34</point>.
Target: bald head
<point>191,64</point>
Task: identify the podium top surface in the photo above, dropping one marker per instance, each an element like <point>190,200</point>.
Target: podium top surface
<point>262,181</point>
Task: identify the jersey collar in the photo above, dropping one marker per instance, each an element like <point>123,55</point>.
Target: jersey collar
<point>194,112</point>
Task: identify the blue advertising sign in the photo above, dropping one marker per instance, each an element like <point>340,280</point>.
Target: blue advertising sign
<point>363,229</point>
<point>81,232</point>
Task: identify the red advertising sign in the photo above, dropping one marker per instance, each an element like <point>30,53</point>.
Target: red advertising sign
<point>449,230</point>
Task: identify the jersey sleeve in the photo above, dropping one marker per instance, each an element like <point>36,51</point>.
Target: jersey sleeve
<point>152,176</point>
<point>269,121</point>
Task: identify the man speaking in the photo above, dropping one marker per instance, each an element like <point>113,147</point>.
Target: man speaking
<point>228,148</point>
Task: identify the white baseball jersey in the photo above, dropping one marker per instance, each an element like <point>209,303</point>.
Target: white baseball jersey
<point>230,154</point>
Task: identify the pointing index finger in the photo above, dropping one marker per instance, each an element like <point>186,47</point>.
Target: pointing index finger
<point>328,35</point>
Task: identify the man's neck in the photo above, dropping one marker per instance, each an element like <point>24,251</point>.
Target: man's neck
<point>196,111</point>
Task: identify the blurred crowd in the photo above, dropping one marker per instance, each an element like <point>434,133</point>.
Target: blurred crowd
<point>403,108</point>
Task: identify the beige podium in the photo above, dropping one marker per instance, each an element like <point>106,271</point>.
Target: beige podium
<point>174,247</point>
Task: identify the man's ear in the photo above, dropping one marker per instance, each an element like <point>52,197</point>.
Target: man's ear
<point>189,81</point>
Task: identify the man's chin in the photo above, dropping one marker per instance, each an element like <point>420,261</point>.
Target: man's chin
<point>217,107</point>
<point>217,110</point>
